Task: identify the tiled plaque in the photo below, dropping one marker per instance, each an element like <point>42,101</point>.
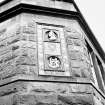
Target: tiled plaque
<point>52,53</point>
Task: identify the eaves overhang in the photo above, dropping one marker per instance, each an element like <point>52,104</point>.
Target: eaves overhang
<point>35,9</point>
<point>7,1</point>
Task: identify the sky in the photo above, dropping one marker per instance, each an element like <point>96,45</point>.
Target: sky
<point>94,13</point>
<point>1,0</point>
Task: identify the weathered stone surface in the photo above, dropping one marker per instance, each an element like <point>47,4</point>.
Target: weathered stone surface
<point>79,64</point>
<point>13,39</point>
<point>48,88</point>
<point>98,99</point>
<point>79,59</point>
<point>73,34</point>
<point>78,72</point>
<point>75,55</point>
<point>13,88</point>
<point>42,93</point>
<point>10,71</point>
<point>76,42</point>
<point>2,31</point>
<point>17,48</point>
<point>52,100</point>
<point>77,99</point>
<point>18,59</point>
<point>77,49</point>
<point>25,33</point>
<point>29,99</point>
<point>6,100</point>
<point>80,88</point>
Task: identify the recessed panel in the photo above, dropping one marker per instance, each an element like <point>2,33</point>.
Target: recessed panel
<point>52,48</point>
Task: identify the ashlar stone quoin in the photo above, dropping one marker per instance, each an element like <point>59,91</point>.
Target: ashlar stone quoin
<point>48,55</point>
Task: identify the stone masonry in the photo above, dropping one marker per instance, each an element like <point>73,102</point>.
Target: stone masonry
<point>44,60</point>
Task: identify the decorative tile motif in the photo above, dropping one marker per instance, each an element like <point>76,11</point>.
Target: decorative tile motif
<point>51,35</point>
<point>53,63</point>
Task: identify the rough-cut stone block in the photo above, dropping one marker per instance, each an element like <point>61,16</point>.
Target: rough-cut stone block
<point>2,44</point>
<point>12,89</point>
<point>78,42</point>
<point>81,72</point>
<point>24,99</point>
<point>77,48</point>
<point>80,88</point>
<point>28,57</point>
<point>3,31</point>
<point>76,99</point>
<point>98,101</point>
<point>6,100</point>
<point>13,39</point>
<point>76,72</point>
<point>28,29</point>
<point>75,55</point>
<point>32,37</point>
<point>79,64</point>
<point>73,35</point>
<point>42,93</point>
<point>14,64</point>
<point>48,88</point>
<point>52,100</point>
<point>69,40</point>
<point>85,73</point>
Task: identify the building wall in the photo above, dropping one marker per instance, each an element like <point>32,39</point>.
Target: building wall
<point>28,77</point>
<point>28,31</point>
